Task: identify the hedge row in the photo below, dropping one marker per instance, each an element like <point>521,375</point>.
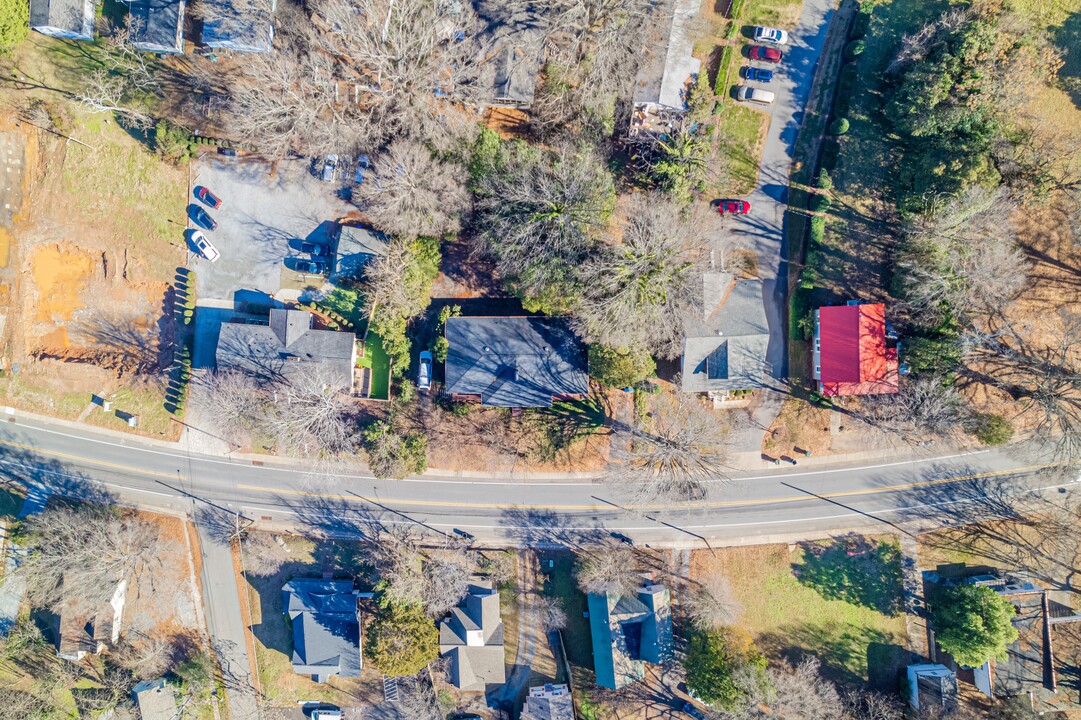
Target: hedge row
<point>336,321</point>
<point>720,85</point>
<point>178,386</point>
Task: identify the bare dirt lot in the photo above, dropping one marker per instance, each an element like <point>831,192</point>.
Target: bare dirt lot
<point>93,241</point>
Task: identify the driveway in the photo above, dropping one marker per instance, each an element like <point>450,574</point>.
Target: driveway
<point>763,227</point>
<point>262,220</point>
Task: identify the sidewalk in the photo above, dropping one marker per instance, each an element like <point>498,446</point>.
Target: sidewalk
<point>221,598</point>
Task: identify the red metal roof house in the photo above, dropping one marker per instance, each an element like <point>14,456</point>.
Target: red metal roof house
<point>850,353</point>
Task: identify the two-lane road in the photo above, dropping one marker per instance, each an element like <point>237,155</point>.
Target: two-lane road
<point>749,506</point>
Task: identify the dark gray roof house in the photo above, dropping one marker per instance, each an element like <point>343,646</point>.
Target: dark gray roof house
<point>629,631</point>
<point>725,348</point>
<point>285,346</point>
<point>234,31</point>
<point>548,702</point>
<point>158,25</point>
<point>71,19</point>
<point>515,49</point>
<point>156,700</point>
<point>356,248</point>
<point>472,640</point>
<point>514,361</point>
<point>326,631</point>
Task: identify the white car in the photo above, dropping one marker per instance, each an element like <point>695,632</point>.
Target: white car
<point>770,35</point>
<point>204,247</point>
<point>326,715</point>
<point>424,375</point>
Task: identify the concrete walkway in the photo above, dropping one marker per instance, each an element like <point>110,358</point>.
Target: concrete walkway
<point>221,598</point>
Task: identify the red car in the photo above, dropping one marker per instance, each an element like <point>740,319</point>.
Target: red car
<point>765,54</point>
<point>732,207</point>
<point>210,199</point>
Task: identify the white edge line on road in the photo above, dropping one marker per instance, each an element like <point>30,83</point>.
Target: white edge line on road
<point>182,454</point>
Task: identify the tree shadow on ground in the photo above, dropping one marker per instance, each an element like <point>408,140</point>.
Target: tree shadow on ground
<point>849,655</point>
<point>855,570</point>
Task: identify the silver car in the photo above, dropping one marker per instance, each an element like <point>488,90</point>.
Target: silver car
<point>424,374</point>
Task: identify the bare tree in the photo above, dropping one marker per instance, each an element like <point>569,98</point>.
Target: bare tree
<point>413,192</point>
<point>870,705</point>
<point>673,455</point>
<point>384,287</point>
<point>607,569</point>
<point>962,258</point>
<point>146,656</point>
<point>500,566</point>
<point>927,407</point>
<point>122,79</point>
<point>311,414</point>
<point>108,93</point>
<point>447,574</point>
<point>399,562</point>
<point>711,604</point>
<point>538,214</point>
<point>419,700</point>
<point>234,403</point>
<point>799,691</point>
<point>79,553</point>
<point>639,293</point>
<point>553,616</point>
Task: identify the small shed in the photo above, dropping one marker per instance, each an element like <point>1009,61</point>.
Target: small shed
<point>70,19</point>
<point>932,686</point>
<point>156,700</point>
<point>356,248</point>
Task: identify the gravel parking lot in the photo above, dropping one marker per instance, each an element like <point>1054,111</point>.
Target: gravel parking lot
<point>262,220</point>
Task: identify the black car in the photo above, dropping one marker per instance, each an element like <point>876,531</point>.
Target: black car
<point>231,152</point>
<point>690,709</point>
<point>314,249</point>
<point>202,219</point>
<point>310,267</point>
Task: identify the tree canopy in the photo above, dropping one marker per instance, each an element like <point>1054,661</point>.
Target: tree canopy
<point>973,624</point>
<point>14,24</point>
<point>401,639</point>
<point>722,670</point>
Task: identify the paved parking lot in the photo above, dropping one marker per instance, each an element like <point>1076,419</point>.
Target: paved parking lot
<point>261,223</point>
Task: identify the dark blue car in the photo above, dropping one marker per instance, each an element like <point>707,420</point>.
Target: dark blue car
<point>759,74</point>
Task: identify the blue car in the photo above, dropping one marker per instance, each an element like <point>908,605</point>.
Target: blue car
<point>759,74</point>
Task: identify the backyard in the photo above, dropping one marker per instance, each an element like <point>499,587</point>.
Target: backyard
<point>837,600</point>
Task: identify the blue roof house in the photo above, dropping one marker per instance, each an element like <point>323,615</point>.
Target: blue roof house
<point>629,631</point>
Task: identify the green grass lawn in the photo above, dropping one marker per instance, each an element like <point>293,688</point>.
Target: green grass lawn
<point>737,134</point>
<point>28,391</point>
<point>559,582</point>
<point>147,402</point>
<point>829,606</point>
<point>778,13</point>
<point>375,357</point>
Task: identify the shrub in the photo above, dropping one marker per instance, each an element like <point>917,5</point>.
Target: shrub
<point>718,108</point>
<point>14,24</point>
<point>824,181</point>
<point>839,126</point>
<point>990,429</point>
<point>817,231</point>
<point>407,392</point>
<point>935,354</point>
<point>171,140</point>
<point>860,24</point>
<point>720,86</point>
<point>846,88</point>
<point>401,639</point>
<point>440,347</point>
<point>854,49</point>
<point>619,367</point>
<point>820,203</point>
<point>718,669</point>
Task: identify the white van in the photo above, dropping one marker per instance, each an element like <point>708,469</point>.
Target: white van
<point>745,93</point>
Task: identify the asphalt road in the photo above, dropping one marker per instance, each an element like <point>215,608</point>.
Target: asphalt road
<point>750,507</point>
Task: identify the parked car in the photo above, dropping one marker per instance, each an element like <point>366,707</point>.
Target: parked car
<point>765,54</point>
<point>363,163</point>
<point>204,247</point>
<point>424,374</point>
<point>759,74</point>
<point>202,219</point>
<point>330,166</point>
<point>209,199</point>
<point>732,207</point>
<point>314,249</point>
<point>692,710</point>
<point>231,152</point>
<point>770,35</point>
<point>310,267</point>
<point>326,714</point>
<point>746,93</point>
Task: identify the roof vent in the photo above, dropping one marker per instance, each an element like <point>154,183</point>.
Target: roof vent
<point>487,349</point>
<point>515,374</point>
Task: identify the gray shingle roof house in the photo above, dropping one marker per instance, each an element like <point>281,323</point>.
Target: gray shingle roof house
<point>72,19</point>
<point>326,631</point>
<point>629,631</point>
<point>159,25</point>
<point>725,349</point>
<point>285,346</point>
<point>472,639</point>
<point>514,361</point>
<point>515,50</point>
<point>156,700</point>
<point>548,702</point>
<point>662,80</point>
<point>240,33</point>
<point>356,247</point>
